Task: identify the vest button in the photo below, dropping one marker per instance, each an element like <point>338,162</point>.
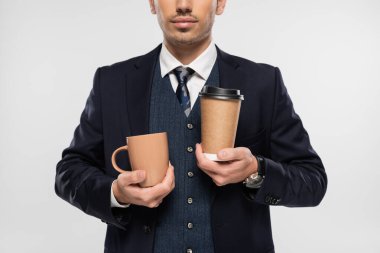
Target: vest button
<point>190,149</point>
<point>190,174</point>
<point>190,200</point>
<point>190,126</point>
<point>189,225</point>
<point>147,229</point>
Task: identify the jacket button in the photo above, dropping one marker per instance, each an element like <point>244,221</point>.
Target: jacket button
<point>189,225</point>
<point>147,229</point>
<point>190,126</point>
<point>190,149</point>
<point>190,174</point>
<point>190,200</point>
<point>189,251</point>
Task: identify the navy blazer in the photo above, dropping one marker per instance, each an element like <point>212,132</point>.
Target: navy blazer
<point>118,106</point>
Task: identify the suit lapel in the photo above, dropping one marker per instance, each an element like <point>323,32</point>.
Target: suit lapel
<point>229,75</point>
<point>139,86</point>
<point>232,77</point>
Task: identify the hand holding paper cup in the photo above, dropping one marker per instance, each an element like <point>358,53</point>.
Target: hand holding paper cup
<point>220,109</point>
<point>148,152</point>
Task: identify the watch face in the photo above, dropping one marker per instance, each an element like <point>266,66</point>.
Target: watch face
<point>254,181</point>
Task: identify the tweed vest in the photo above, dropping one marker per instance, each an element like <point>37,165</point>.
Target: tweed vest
<point>184,222</point>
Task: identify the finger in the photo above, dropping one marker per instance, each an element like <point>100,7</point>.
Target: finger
<point>211,172</point>
<point>139,196</point>
<point>132,177</point>
<point>155,192</point>
<point>198,146</point>
<point>169,181</point>
<point>172,185</point>
<point>165,187</point>
<point>160,197</point>
<point>169,177</point>
<point>230,154</point>
<point>132,193</point>
<point>203,162</point>
<point>199,153</point>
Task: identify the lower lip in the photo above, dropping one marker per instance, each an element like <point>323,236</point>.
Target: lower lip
<point>184,25</point>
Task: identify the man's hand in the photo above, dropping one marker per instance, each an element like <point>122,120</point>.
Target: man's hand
<point>127,190</point>
<point>237,165</point>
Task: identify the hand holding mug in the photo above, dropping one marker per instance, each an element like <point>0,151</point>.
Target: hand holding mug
<point>127,190</point>
<point>150,179</point>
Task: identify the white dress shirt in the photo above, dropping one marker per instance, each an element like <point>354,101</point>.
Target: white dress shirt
<point>202,66</point>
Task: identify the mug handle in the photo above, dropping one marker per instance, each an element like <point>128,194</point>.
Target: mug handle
<point>113,159</point>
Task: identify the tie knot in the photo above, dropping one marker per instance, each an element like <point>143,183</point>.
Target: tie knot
<point>183,74</point>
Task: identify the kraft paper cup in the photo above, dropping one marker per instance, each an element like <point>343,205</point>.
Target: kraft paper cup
<point>220,109</point>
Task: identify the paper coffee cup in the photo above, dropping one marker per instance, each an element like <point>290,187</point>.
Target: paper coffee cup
<point>220,109</point>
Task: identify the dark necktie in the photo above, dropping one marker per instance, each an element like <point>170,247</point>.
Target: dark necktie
<point>183,95</point>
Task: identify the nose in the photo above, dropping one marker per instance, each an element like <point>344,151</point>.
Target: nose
<point>184,7</point>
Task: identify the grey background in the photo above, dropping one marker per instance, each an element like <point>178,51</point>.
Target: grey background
<point>328,52</point>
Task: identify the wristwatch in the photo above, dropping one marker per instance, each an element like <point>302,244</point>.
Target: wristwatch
<point>255,180</point>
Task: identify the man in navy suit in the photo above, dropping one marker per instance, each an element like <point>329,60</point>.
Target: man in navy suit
<point>201,205</point>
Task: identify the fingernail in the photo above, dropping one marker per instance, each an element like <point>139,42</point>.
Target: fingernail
<point>223,154</point>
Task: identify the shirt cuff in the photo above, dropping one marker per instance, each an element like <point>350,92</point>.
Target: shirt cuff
<point>114,202</point>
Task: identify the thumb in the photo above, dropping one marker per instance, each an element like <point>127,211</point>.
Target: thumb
<point>136,176</point>
<point>226,154</point>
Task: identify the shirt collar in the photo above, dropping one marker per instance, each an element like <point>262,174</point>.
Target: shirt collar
<point>202,65</point>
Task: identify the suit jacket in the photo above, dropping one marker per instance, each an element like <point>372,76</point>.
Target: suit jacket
<point>118,106</point>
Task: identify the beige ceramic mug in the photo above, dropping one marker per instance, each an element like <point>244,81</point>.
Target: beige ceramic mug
<point>147,152</point>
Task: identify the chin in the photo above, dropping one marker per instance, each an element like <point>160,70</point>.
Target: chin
<point>186,40</point>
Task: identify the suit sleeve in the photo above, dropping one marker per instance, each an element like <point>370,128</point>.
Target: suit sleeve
<point>295,175</point>
<point>80,175</point>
